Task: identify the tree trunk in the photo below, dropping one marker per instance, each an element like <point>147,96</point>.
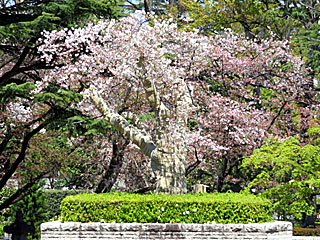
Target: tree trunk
<point>222,174</point>
<point>148,6</point>
<point>170,171</point>
<point>111,174</point>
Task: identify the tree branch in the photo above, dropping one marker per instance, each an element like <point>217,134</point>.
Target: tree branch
<point>308,6</point>
<point>5,78</point>
<point>133,118</point>
<point>111,174</point>
<point>278,114</point>
<point>21,156</point>
<point>22,57</point>
<point>20,193</point>
<point>194,165</point>
<point>6,19</point>
<point>131,132</point>
<point>132,4</point>
<point>5,142</point>
<point>152,94</point>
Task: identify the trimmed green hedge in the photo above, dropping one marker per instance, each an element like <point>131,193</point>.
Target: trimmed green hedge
<point>190,208</point>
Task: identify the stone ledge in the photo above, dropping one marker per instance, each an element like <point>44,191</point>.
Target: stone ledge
<point>252,231</point>
<point>276,226</point>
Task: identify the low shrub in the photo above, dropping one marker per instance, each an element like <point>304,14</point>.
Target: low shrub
<point>298,231</point>
<point>54,198</point>
<point>190,208</point>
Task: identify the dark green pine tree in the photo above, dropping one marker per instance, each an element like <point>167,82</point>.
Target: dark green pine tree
<point>33,208</point>
<point>21,24</point>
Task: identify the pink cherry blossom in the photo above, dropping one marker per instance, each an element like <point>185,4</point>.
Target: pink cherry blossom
<point>209,84</point>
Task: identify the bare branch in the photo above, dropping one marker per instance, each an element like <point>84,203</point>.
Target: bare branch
<point>308,6</point>
<point>278,114</point>
<point>131,132</point>
<point>194,165</point>
<point>133,118</point>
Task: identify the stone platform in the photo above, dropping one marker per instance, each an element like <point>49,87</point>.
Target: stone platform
<point>150,231</point>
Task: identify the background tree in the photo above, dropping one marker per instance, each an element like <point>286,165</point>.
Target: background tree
<point>288,173</point>
<point>255,18</point>
<point>292,20</point>
<point>263,20</point>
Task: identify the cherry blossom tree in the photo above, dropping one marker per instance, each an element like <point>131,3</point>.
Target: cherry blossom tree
<point>178,96</point>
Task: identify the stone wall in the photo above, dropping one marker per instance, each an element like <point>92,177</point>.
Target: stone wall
<point>254,231</point>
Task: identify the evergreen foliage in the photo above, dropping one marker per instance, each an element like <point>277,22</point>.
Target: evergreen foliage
<point>21,70</point>
<point>40,206</point>
<point>28,19</point>
<point>309,42</point>
<point>53,200</point>
<point>33,208</point>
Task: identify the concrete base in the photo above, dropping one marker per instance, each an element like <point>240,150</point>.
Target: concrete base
<point>252,231</point>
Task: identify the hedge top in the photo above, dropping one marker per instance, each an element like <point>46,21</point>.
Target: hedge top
<point>189,208</point>
<point>185,198</point>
